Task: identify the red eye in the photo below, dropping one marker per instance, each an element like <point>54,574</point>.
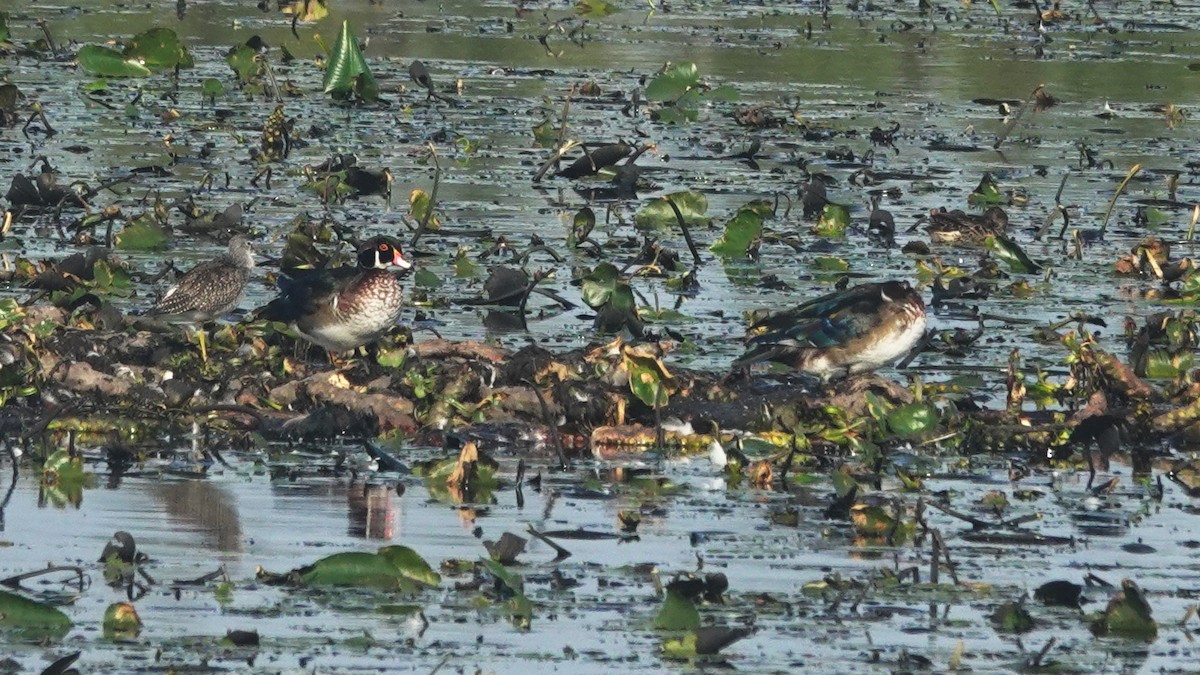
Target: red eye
<point>383,247</point>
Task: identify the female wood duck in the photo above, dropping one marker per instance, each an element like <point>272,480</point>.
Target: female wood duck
<point>958,227</point>
<point>852,331</point>
<point>344,308</point>
<point>208,290</point>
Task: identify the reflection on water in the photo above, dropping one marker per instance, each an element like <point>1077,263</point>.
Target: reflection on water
<point>205,508</point>
<point>373,512</point>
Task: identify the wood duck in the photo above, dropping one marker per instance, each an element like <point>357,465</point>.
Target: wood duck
<point>208,290</point>
<point>959,227</point>
<point>344,308</point>
<point>846,332</point>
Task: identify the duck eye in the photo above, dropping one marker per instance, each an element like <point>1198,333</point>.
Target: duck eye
<point>383,247</point>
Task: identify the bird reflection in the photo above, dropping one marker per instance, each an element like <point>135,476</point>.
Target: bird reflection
<point>372,511</point>
<point>206,507</point>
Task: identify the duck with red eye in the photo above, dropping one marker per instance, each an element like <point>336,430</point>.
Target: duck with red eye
<point>344,308</point>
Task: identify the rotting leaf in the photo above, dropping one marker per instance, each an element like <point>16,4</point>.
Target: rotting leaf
<point>419,204</point>
<point>507,549</point>
<point>243,60</point>
<point>597,287</point>
<point>348,72</point>
<point>305,10</point>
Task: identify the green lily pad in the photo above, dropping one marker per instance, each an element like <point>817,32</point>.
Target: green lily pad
<point>358,569</point>
<point>673,83</point>
<point>158,48</point>
<point>595,9</point>
<point>142,234</point>
<point>648,379</point>
<point>348,72</point>
<point>1012,255</point>
<point>1127,615</point>
<point>242,59</point>
<point>658,213</point>
<point>741,234</point>
<point>409,563</point>
<point>677,613</point>
<point>598,286</point>
<point>32,618</point>
<point>121,620</point>
<point>105,62</point>
<point>833,222</point>
<point>912,419</point>
<point>1012,617</point>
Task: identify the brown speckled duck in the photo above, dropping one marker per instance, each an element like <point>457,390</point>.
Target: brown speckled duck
<point>959,227</point>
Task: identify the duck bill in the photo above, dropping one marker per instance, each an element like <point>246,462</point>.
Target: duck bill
<point>399,260</point>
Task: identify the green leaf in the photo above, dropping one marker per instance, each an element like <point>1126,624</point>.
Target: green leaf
<point>658,213</point>
<point>243,62</point>
<point>833,222</point>
<point>32,618</point>
<point>211,88</point>
<point>463,267</point>
<point>912,419</point>
<point>673,83</point>
<point>1127,615</point>
<point>646,379</point>
<point>347,72</point>
<point>354,568</point>
<point>142,234</point>
<point>741,234</point>
<point>594,9</point>
<point>1012,255</point>
<point>725,92</point>
<point>409,563</point>
<point>581,226</point>
<point>4,34</point>
<point>158,48</point>
<point>843,482</point>
<point>681,649</point>
<point>677,613</point>
<point>392,358</point>
<point>121,620</point>
<point>987,193</point>
<point>105,62</point>
<point>60,468</point>
<point>1012,617</point>
<point>510,579</point>
<point>1163,364</point>
<point>597,287</point>
<point>426,279</point>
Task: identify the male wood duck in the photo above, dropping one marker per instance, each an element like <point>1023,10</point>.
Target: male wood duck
<point>846,332</point>
<point>208,290</point>
<point>959,227</point>
<point>344,308</point>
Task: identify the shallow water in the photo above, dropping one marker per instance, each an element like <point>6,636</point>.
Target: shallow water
<point>860,71</point>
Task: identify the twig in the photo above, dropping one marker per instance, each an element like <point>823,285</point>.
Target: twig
<point>1016,117</point>
<point>1117,193</point>
<point>687,235</point>
<point>560,552</point>
<point>437,179</point>
<point>15,580</point>
<point>554,434</point>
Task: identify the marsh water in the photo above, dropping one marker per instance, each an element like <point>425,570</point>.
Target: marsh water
<point>830,74</point>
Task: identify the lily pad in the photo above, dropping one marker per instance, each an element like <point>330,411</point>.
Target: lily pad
<point>673,83</point>
<point>348,72</point>
<point>1012,255</point>
<point>105,62</point>
<point>32,618</point>
<point>741,235</point>
<point>658,213</point>
<point>677,613</point>
<point>158,48</point>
